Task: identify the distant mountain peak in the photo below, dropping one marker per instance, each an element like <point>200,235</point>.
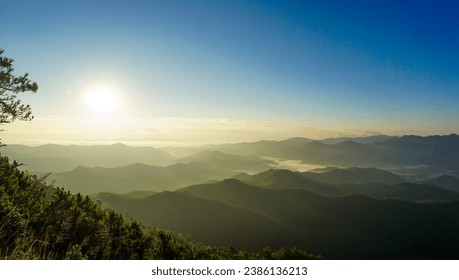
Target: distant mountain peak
<point>299,140</point>
<point>277,172</point>
<point>317,143</point>
<point>348,143</point>
<point>232,182</point>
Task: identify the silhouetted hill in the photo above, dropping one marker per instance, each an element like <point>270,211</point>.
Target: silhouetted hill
<point>43,222</point>
<point>404,191</point>
<point>323,169</point>
<point>338,182</point>
<point>140,194</point>
<point>208,221</point>
<point>360,140</point>
<point>350,227</point>
<point>395,152</point>
<point>286,179</point>
<point>439,151</point>
<point>137,177</point>
<point>354,175</point>
<point>346,153</point>
<point>57,158</point>
<point>419,173</point>
<point>445,182</point>
<point>286,149</point>
<point>236,163</point>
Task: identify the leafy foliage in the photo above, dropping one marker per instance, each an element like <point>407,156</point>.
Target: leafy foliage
<point>12,108</point>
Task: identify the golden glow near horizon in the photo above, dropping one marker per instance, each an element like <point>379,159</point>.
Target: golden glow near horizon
<point>159,132</point>
<point>101,99</point>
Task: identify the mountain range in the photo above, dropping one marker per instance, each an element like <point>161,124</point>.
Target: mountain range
<point>379,197</point>
<point>87,180</point>
<point>345,227</point>
<point>202,167</point>
<point>59,158</point>
<point>439,152</point>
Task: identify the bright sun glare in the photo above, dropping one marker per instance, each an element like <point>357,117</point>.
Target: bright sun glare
<point>101,99</point>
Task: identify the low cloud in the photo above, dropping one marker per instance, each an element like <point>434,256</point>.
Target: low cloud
<point>168,131</point>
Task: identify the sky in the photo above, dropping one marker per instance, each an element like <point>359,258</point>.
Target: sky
<point>193,72</point>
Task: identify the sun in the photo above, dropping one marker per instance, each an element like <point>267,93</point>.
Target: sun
<point>101,99</point>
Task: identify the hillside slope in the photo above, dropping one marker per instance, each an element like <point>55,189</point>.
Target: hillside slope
<point>137,177</point>
<point>42,222</point>
<point>350,227</point>
<point>206,221</point>
<point>58,158</point>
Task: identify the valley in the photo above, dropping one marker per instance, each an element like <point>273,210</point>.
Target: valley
<point>349,203</point>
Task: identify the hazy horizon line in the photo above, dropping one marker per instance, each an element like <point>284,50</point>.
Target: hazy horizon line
<point>176,131</point>
<point>161,143</point>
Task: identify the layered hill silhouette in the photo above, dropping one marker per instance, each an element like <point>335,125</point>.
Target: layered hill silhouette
<point>225,161</point>
<point>338,182</point>
<point>346,227</point>
<point>404,191</point>
<point>361,140</point>
<point>356,221</point>
<point>446,182</point>
<point>380,197</point>
<point>138,176</point>
<point>201,167</point>
<point>207,221</point>
<point>439,153</point>
<point>286,179</point>
<point>58,158</point>
<point>355,175</point>
<point>39,221</point>
<point>393,152</point>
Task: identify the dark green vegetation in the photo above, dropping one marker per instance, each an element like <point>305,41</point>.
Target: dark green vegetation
<point>207,221</point>
<point>347,227</point>
<point>410,212</point>
<point>38,221</point>
<point>357,211</point>
<point>42,222</point>
<point>11,107</point>
<point>338,213</point>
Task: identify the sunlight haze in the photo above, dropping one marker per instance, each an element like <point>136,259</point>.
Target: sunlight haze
<point>267,130</point>
<point>170,71</point>
<point>101,99</point>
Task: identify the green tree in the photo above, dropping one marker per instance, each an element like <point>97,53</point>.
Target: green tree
<point>11,108</point>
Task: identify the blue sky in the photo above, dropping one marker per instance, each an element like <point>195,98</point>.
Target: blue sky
<point>380,66</point>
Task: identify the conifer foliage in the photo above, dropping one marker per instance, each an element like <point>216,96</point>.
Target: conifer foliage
<point>11,108</point>
<point>38,221</point>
